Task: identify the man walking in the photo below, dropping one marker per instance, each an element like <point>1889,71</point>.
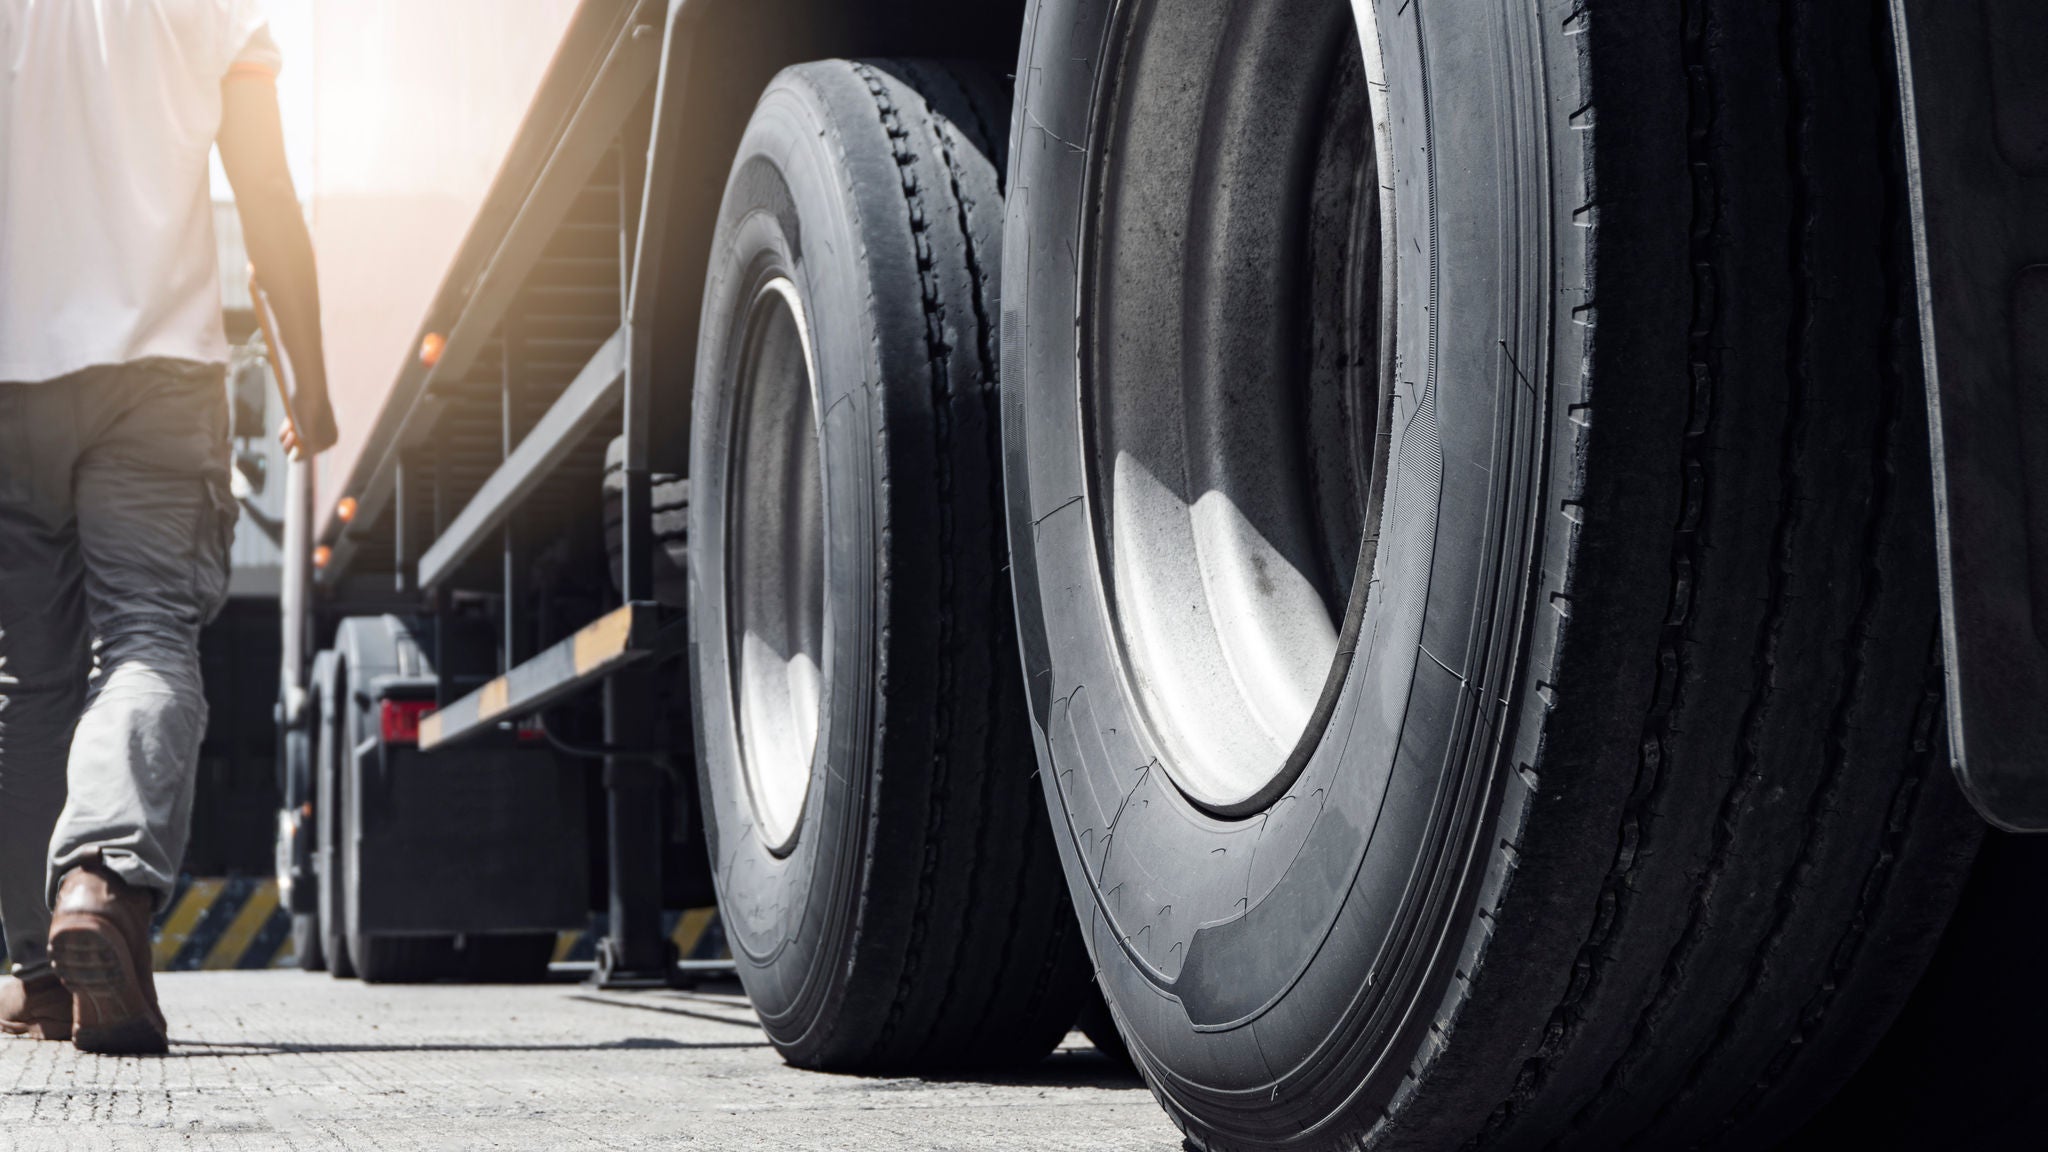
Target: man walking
<point>115,515</point>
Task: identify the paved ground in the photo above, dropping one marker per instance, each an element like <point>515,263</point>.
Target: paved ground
<point>270,1060</point>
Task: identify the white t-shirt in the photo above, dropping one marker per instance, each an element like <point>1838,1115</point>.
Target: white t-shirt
<point>108,114</point>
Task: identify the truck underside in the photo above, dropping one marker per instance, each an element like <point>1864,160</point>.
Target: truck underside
<point>1385,555</point>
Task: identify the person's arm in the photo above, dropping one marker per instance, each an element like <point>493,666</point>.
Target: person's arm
<point>274,231</point>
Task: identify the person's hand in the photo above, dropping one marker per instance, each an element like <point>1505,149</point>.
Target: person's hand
<point>317,436</point>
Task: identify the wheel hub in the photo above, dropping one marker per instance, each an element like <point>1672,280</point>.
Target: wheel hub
<point>1233,384</point>
<point>776,585</point>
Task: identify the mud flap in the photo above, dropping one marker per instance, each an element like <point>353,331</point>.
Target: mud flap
<point>1976,125</point>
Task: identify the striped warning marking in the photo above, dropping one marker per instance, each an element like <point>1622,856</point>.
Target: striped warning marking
<point>217,924</point>
<point>696,931</point>
<point>239,938</point>
<point>214,923</point>
<point>188,907</point>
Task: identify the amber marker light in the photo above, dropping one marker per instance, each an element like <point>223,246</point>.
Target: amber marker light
<point>322,555</point>
<point>345,510</point>
<point>431,346</point>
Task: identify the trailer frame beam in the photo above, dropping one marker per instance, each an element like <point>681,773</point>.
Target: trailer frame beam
<point>581,407</point>
<point>626,635</point>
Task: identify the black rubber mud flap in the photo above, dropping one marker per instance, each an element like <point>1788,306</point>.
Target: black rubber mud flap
<point>480,842</point>
<point>370,648</point>
<point>1977,135</point>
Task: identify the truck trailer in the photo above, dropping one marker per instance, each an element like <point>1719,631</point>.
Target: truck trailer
<point>1443,573</point>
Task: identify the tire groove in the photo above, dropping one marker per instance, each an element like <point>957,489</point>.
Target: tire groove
<point>941,387</point>
<point>1921,752</point>
<point>1695,474</point>
<point>1000,635</point>
<point>1751,771</point>
<point>1875,886</point>
<point>984,837</point>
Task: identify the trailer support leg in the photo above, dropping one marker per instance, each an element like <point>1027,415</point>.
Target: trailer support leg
<point>634,952</point>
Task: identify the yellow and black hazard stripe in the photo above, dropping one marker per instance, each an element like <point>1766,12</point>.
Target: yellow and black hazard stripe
<point>216,924</point>
<point>628,633</point>
<point>696,931</point>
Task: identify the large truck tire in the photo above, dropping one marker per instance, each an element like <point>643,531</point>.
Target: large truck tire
<point>1099,1027</point>
<point>518,958</point>
<point>887,881</point>
<point>298,868</point>
<point>1963,1066</point>
<point>309,951</point>
<point>1470,523</point>
<point>328,813</point>
<point>669,509</point>
<point>402,959</point>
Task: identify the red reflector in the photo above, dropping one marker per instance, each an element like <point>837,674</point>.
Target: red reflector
<point>400,720</point>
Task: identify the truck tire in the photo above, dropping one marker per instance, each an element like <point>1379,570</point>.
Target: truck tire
<point>1963,1066</point>
<point>887,882</point>
<point>1099,1027</point>
<point>402,959</point>
<point>309,951</point>
<point>511,958</point>
<point>297,844</point>
<point>669,504</point>
<point>329,862</point>
<point>1470,524</point>
<point>371,647</point>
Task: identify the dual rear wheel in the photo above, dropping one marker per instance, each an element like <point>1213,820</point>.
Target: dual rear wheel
<point>1461,472</point>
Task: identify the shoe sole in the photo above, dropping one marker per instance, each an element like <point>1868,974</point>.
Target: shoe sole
<point>112,1015</point>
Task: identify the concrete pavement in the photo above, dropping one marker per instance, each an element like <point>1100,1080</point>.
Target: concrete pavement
<point>271,1060</point>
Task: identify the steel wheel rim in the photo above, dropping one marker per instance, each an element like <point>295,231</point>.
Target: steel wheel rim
<point>1236,469</point>
<point>776,611</point>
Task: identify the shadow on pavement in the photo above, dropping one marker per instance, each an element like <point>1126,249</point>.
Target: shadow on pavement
<point>1065,1068</point>
<point>672,1010</point>
<point>192,1048</point>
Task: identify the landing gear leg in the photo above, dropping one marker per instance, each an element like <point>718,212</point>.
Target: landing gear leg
<point>634,952</point>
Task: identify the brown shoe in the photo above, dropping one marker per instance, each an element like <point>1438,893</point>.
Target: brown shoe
<point>37,1006</point>
<point>99,944</point>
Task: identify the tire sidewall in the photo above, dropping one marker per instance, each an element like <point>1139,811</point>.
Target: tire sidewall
<point>787,916</point>
<point>329,779</point>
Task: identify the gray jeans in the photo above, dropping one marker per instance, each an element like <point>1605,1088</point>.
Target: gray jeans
<point>115,527</point>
